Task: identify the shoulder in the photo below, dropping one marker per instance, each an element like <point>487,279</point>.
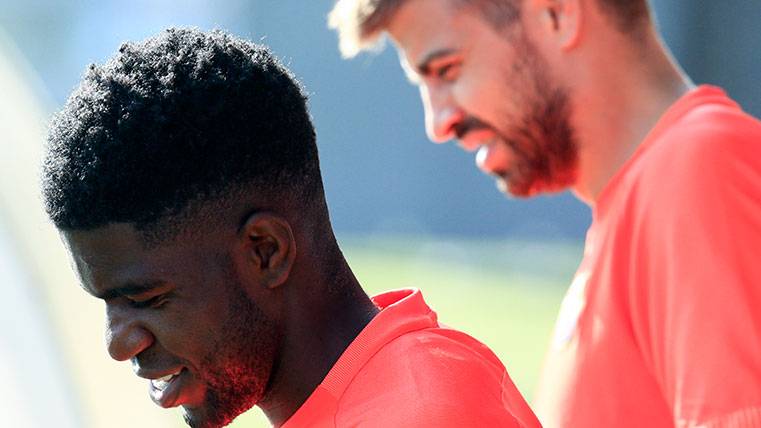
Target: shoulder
<point>711,156</point>
<point>709,140</point>
<point>438,362</point>
<point>693,217</point>
<point>440,376</point>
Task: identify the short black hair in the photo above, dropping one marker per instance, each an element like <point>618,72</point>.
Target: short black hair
<point>182,117</point>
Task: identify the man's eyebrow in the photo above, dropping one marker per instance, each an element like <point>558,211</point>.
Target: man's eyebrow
<point>130,290</point>
<point>423,66</point>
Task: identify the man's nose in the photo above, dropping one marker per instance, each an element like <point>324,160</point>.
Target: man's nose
<point>125,336</point>
<point>442,113</point>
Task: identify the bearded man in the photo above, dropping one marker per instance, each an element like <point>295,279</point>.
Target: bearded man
<point>184,178</point>
<point>661,326</point>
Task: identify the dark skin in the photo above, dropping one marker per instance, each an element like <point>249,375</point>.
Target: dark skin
<point>242,315</point>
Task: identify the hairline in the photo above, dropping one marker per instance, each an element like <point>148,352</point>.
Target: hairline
<point>371,32</point>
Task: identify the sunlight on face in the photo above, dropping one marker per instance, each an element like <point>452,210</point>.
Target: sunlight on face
<point>490,90</point>
<point>179,313</point>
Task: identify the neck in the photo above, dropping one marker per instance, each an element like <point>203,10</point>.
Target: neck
<point>625,93</point>
<point>325,317</point>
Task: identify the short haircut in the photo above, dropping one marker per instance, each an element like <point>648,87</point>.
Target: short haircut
<point>361,22</point>
<point>178,120</point>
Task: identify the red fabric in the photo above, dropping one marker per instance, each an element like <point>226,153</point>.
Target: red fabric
<point>662,325</point>
<point>404,369</point>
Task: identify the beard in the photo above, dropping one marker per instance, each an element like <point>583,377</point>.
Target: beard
<point>546,155</point>
<point>539,136</point>
<point>237,375</point>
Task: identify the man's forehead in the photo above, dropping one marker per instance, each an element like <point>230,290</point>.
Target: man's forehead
<point>421,27</point>
<point>105,255</point>
<point>94,246</point>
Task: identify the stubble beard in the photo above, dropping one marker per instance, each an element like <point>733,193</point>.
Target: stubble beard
<point>542,138</point>
<point>237,375</point>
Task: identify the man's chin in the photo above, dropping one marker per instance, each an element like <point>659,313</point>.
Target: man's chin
<point>523,190</point>
<point>511,189</point>
<point>195,418</point>
<point>204,418</point>
<point>218,410</point>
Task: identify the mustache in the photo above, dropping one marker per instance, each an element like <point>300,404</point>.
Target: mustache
<point>469,124</point>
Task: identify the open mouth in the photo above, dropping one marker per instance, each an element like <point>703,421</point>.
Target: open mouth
<point>165,390</point>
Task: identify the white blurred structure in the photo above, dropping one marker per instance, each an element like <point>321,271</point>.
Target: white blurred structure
<point>34,388</point>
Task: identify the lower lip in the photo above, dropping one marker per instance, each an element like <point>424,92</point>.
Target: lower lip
<point>493,158</point>
<point>168,396</point>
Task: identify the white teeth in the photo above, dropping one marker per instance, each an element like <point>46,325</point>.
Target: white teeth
<point>166,378</point>
<point>162,382</point>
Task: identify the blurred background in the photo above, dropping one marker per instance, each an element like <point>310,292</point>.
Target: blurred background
<point>406,211</point>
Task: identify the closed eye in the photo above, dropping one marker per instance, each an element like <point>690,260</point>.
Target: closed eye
<point>441,64</point>
<point>448,71</point>
<point>154,302</point>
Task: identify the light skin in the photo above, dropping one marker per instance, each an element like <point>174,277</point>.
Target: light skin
<point>241,315</point>
<point>616,88</point>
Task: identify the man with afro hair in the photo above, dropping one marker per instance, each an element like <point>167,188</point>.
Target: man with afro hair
<point>183,176</point>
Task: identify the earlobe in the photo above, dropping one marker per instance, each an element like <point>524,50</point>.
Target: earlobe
<point>270,247</point>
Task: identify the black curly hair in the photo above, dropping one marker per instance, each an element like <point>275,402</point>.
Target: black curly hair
<point>178,120</point>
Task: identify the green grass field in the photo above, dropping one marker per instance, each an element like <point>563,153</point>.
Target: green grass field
<point>506,294</point>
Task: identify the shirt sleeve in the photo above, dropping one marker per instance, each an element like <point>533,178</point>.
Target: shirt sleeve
<point>697,258</point>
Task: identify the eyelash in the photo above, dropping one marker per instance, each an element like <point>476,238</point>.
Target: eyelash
<point>442,71</point>
<point>153,303</point>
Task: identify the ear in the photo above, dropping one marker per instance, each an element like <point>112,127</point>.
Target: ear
<point>270,248</point>
<point>562,21</point>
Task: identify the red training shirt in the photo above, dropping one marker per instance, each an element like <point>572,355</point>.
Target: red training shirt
<point>662,324</point>
<point>405,370</point>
